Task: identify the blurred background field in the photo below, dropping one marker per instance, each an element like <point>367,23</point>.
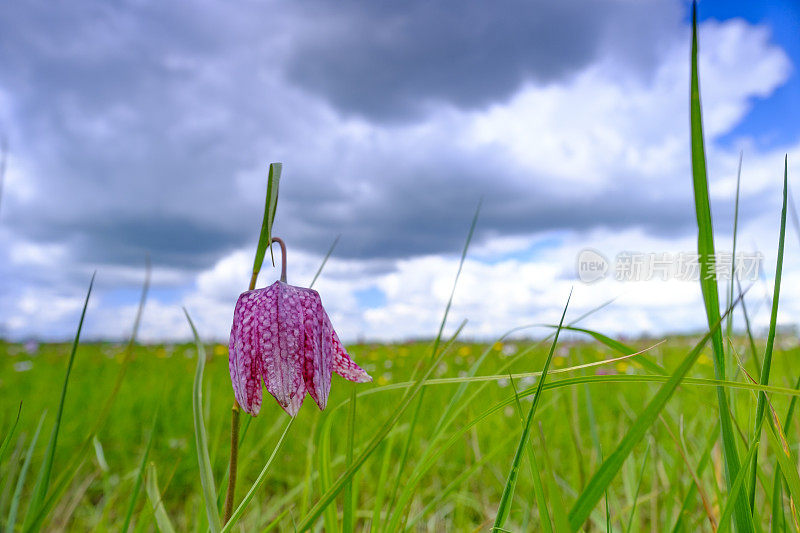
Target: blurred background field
<point>577,422</point>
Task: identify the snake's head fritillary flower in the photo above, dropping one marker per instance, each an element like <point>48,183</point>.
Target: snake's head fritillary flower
<point>282,335</point>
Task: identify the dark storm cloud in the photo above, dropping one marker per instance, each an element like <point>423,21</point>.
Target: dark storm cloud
<point>396,60</point>
<point>147,126</point>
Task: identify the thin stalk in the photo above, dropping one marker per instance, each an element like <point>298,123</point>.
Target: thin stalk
<point>230,496</point>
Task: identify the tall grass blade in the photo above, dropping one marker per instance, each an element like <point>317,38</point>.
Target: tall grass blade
<point>137,486</point>
<point>777,507</point>
<point>725,517</point>
<point>11,522</point>
<point>325,500</point>
<point>325,468</point>
<point>348,509</point>
<point>538,487</point>
<point>154,495</point>
<point>615,345</point>
<point>506,499</point>
<point>7,438</point>
<point>271,205</point>
<point>560,519</point>
<point>767,362</point>
<point>418,405</point>
<point>785,460</point>
<point>638,487</point>
<point>708,279</point>
<point>386,461</point>
<point>688,500</point>
<point>729,323</point>
<point>608,469</point>
<point>262,476</point>
<point>69,472</point>
<point>200,436</point>
<point>324,262</point>
<point>43,481</point>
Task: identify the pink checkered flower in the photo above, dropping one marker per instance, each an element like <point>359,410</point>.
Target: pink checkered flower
<point>282,335</point>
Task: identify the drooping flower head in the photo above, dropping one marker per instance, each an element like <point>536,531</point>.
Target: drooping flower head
<point>281,335</point>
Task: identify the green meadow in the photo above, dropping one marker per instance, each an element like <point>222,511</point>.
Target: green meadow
<point>567,430</point>
<point>578,422</point>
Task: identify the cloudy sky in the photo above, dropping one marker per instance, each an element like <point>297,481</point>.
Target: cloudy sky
<point>143,127</point>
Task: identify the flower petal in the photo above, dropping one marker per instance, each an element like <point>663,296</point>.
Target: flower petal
<point>318,362</point>
<point>282,346</point>
<point>244,361</point>
<point>342,364</point>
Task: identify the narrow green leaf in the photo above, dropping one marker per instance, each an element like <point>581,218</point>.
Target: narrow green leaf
<point>737,484</point>
<point>608,469</point>
<point>324,261</point>
<point>7,438</point>
<point>506,499</point>
<point>386,461</point>
<point>538,488</point>
<point>638,487</point>
<point>271,204</point>
<point>154,495</point>
<point>432,503</point>
<point>200,436</point>
<point>688,500</point>
<point>11,522</point>
<point>560,519</point>
<point>262,476</point>
<point>381,434</point>
<point>325,467</point>
<point>394,522</point>
<point>777,505</point>
<point>729,323</point>
<point>767,362</point>
<point>43,481</point>
<point>139,477</point>
<point>348,509</point>
<point>68,473</point>
<point>708,279</point>
<point>785,460</point>
<point>615,345</point>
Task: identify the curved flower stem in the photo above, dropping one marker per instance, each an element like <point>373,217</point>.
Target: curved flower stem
<point>230,495</point>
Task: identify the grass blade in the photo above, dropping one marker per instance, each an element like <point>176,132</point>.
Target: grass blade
<point>737,484</point>
<point>381,491</point>
<point>137,486</point>
<point>262,476</point>
<point>506,499</point>
<point>777,508</point>
<point>7,439</point>
<point>43,481</point>
<point>200,436</point>
<point>608,469</point>
<point>383,431</point>
<point>729,323</point>
<point>325,467</point>
<point>560,519</point>
<point>418,405</point>
<point>271,204</point>
<point>154,495</point>
<point>639,358</point>
<point>638,487</point>
<point>11,522</point>
<point>538,487</point>
<point>348,509</point>
<point>767,362</point>
<point>324,262</point>
<point>708,279</point>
